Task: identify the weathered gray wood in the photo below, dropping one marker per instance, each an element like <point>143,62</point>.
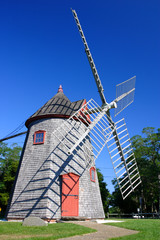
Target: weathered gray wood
<point>37,190</point>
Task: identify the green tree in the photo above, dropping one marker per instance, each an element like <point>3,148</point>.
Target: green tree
<point>9,159</point>
<point>105,195</point>
<point>129,205</point>
<point>147,153</point>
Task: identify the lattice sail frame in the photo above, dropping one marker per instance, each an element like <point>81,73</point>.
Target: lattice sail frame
<point>126,171</point>
<point>90,123</point>
<point>125,94</point>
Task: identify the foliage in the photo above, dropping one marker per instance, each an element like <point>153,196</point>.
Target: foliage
<point>105,195</point>
<point>147,153</point>
<point>52,231</point>
<point>129,205</point>
<point>148,229</point>
<point>9,159</point>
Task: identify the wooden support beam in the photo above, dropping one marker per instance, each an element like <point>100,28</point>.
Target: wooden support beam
<point>16,135</point>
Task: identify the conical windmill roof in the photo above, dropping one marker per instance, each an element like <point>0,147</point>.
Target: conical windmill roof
<point>59,106</point>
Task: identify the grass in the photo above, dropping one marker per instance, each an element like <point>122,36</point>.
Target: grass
<point>15,230</point>
<point>149,229</point>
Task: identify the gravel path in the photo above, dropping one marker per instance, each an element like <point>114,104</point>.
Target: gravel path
<point>103,232</point>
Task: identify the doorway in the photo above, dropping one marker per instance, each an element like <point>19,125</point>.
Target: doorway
<point>70,195</point>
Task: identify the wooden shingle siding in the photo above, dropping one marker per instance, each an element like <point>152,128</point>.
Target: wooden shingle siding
<point>38,189</point>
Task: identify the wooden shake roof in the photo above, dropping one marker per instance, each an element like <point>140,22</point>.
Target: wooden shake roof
<point>58,106</point>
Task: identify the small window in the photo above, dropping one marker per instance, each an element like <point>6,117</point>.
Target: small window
<point>39,137</point>
<point>92,174</point>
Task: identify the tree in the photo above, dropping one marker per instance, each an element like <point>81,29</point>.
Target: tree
<point>129,205</point>
<point>147,153</point>
<point>105,195</point>
<point>9,159</point>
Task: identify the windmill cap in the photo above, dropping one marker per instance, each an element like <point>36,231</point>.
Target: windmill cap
<point>59,106</point>
<point>60,89</point>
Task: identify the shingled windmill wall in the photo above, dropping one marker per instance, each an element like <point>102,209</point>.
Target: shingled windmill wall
<point>38,187</point>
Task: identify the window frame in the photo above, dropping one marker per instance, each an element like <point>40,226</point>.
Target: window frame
<point>93,169</point>
<point>34,138</point>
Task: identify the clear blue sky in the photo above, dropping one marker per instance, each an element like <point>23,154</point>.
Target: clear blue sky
<point>40,48</point>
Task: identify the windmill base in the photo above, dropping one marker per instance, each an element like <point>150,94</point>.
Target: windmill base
<point>51,184</point>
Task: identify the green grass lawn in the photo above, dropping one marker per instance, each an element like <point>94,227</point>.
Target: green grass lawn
<point>149,229</point>
<point>14,231</point>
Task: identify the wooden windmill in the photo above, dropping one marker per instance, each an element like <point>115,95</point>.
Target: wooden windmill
<point>57,175</point>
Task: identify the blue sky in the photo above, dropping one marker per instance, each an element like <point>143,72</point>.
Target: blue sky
<point>40,48</point>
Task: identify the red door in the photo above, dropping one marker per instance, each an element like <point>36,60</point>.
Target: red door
<point>70,195</point>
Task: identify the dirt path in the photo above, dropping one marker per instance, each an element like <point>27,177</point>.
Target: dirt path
<point>103,232</point>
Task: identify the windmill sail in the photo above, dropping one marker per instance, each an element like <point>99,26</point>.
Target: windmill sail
<point>126,171</point>
<point>128,179</point>
<point>124,94</point>
<point>97,127</point>
<point>100,131</point>
<point>90,59</point>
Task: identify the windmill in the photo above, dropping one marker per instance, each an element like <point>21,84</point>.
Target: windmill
<point>57,176</point>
